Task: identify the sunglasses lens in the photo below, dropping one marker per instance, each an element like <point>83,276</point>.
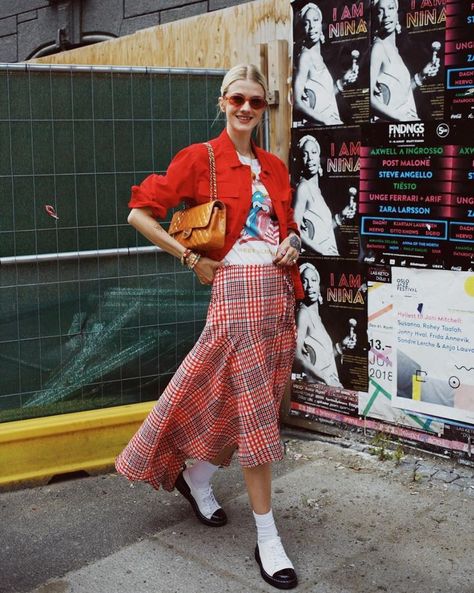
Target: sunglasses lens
<point>257,103</point>
<point>236,100</point>
<point>254,102</point>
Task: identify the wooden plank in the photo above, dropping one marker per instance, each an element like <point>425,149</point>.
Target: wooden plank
<point>278,74</point>
<point>218,39</point>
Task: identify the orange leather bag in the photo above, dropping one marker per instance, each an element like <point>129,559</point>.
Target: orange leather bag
<point>202,228</point>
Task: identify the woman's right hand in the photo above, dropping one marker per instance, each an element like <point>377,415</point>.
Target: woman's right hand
<point>206,269</point>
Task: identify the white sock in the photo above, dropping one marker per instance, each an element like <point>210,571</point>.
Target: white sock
<point>201,473</point>
<point>266,528</point>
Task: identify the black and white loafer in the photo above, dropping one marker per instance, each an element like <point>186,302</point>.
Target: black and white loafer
<point>275,566</point>
<point>202,500</point>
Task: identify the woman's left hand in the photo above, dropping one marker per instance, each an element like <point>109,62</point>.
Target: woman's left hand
<point>288,251</point>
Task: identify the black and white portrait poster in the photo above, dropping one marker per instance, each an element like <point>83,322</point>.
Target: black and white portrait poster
<point>407,60</point>
<point>331,62</point>
<point>325,175</point>
<point>459,60</point>
<point>332,348</point>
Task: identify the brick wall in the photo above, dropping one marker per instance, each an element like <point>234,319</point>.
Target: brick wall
<point>31,26</point>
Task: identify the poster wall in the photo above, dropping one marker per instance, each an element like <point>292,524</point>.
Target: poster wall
<point>383,174</point>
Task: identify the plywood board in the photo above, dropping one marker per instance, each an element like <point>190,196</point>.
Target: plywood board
<point>218,39</point>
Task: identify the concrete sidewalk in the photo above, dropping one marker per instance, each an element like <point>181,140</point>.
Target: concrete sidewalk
<point>350,522</point>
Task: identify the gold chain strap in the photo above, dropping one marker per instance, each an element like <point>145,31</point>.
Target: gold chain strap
<point>212,169</point>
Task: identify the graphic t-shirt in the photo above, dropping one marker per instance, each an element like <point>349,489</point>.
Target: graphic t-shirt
<point>259,239</point>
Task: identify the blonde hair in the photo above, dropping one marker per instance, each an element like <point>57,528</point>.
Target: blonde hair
<point>244,72</point>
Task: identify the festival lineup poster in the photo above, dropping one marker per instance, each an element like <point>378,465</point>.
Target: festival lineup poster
<point>331,69</point>
<point>377,402</point>
<point>404,201</point>
<point>410,81</point>
<point>461,227</point>
<point>434,340</point>
<point>325,168</point>
<point>330,365</point>
<point>459,59</point>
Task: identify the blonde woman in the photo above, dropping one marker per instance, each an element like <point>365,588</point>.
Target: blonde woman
<point>225,396</point>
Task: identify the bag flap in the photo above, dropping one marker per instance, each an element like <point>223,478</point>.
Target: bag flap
<point>193,218</point>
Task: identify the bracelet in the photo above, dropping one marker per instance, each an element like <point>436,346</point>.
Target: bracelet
<point>190,259</point>
<point>418,80</point>
<point>339,85</point>
<point>338,219</point>
<point>186,253</point>
<point>194,258</point>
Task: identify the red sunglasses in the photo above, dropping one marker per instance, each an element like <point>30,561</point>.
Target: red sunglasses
<point>238,100</point>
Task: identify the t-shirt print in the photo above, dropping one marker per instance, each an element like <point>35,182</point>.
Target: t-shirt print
<point>259,238</point>
<point>260,225</point>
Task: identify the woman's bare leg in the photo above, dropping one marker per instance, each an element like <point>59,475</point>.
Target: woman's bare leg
<point>275,566</point>
<point>259,487</point>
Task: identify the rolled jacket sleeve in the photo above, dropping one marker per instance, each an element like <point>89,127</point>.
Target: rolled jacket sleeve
<point>162,192</point>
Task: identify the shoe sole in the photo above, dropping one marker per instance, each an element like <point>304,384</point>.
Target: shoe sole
<point>271,580</point>
<point>184,489</point>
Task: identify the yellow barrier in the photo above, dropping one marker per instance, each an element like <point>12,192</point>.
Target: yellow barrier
<point>34,451</point>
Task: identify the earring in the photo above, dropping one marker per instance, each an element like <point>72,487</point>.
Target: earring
<point>320,171</point>
<point>322,38</point>
<point>398,28</point>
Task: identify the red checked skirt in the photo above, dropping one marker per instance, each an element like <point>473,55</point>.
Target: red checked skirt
<point>228,389</point>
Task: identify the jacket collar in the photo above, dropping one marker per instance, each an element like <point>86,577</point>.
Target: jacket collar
<point>226,149</point>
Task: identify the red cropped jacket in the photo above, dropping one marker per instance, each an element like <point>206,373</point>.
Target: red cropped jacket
<point>187,178</point>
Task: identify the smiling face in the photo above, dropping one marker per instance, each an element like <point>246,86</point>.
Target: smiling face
<point>387,16</point>
<point>242,119</point>
<point>310,280</point>
<point>313,25</point>
<point>311,157</point>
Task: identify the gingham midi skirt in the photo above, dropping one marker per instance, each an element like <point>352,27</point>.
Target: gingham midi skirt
<point>228,389</point>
